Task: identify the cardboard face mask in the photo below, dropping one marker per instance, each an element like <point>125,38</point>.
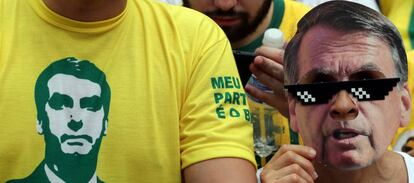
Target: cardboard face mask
<point>363,90</point>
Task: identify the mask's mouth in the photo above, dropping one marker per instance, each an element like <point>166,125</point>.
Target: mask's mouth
<point>341,134</point>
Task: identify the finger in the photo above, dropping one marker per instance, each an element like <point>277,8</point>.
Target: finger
<point>274,54</point>
<point>294,169</point>
<point>291,158</point>
<point>278,175</point>
<point>275,99</point>
<point>291,178</point>
<point>305,151</point>
<point>285,179</point>
<point>293,154</point>
<point>256,93</point>
<point>273,80</point>
<point>265,68</point>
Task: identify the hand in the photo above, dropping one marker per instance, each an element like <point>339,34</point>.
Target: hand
<point>291,163</point>
<point>268,68</point>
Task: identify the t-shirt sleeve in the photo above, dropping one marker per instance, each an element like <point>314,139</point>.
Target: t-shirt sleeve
<point>215,117</point>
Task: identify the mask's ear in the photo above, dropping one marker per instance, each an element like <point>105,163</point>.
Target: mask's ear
<point>405,105</point>
<point>105,127</point>
<point>292,113</point>
<point>39,126</point>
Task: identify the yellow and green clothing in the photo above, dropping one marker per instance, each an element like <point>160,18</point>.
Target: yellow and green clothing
<point>401,136</point>
<point>286,14</point>
<point>176,97</point>
<point>401,13</point>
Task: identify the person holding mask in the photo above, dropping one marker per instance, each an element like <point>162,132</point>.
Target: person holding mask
<point>400,12</point>
<point>346,78</point>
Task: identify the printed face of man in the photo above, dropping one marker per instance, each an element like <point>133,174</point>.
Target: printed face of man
<point>237,18</point>
<point>346,133</point>
<point>75,113</point>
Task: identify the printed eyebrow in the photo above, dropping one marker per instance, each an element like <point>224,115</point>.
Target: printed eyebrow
<point>58,100</point>
<point>365,75</point>
<point>325,75</point>
<point>315,74</point>
<point>368,67</point>
<point>368,71</point>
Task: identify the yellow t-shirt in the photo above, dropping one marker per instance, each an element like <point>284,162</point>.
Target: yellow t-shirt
<point>406,132</point>
<point>286,15</point>
<point>293,12</point>
<point>175,96</point>
<point>400,12</point>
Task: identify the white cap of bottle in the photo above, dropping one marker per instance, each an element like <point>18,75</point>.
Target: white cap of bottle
<point>273,38</point>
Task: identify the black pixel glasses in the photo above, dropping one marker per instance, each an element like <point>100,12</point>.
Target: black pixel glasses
<point>363,90</point>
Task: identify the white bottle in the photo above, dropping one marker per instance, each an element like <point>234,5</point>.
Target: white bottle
<point>272,38</point>
<point>267,129</point>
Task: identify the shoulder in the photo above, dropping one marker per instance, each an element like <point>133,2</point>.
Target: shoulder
<point>296,6</point>
<point>38,175</point>
<point>387,5</point>
<point>8,8</point>
<point>293,12</point>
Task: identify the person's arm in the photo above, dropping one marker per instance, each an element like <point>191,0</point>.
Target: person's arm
<point>225,170</point>
<point>216,139</point>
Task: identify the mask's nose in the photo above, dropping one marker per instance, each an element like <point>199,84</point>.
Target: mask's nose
<point>343,106</point>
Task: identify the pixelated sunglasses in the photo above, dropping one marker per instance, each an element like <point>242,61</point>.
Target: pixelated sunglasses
<point>363,90</point>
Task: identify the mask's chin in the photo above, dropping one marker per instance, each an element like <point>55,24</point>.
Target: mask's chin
<point>344,160</point>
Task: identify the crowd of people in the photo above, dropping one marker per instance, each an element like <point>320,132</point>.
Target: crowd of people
<point>144,91</point>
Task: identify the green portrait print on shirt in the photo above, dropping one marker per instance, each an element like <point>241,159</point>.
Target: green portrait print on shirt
<point>72,100</point>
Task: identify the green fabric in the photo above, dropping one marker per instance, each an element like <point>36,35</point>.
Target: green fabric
<point>411,29</point>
